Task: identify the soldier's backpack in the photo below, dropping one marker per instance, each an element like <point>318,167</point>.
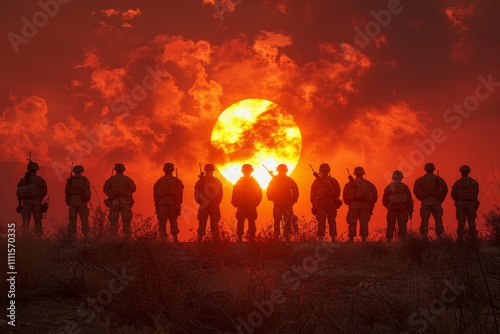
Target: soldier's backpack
<point>77,186</point>
<point>466,191</point>
<point>398,199</point>
<point>29,188</point>
<point>167,187</point>
<point>362,190</point>
<point>429,185</point>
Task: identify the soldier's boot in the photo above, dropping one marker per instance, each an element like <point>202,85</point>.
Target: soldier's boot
<point>175,238</point>
<point>333,239</point>
<point>320,238</point>
<point>200,238</point>
<point>350,240</point>
<point>363,239</point>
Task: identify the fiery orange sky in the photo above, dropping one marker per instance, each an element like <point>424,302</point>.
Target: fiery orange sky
<point>381,84</point>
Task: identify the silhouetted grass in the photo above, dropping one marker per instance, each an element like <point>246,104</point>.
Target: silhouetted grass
<point>209,286</point>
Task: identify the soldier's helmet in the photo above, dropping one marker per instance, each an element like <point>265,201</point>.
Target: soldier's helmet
<point>282,168</point>
<point>324,168</point>
<point>464,169</point>
<point>78,169</point>
<point>119,167</point>
<point>168,167</point>
<point>397,175</point>
<point>209,168</point>
<point>429,166</point>
<point>246,168</point>
<point>33,166</point>
<point>359,170</point>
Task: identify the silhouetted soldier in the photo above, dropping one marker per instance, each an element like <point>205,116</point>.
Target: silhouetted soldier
<point>77,192</point>
<point>246,196</point>
<point>325,200</point>
<point>167,193</point>
<point>208,194</point>
<point>465,193</point>
<point>119,189</point>
<point>360,195</point>
<point>397,199</point>
<point>431,191</point>
<point>31,190</point>
<point>283,191</point>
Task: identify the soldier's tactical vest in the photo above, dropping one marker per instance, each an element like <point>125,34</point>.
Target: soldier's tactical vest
<point>398,199</point>
<point>167,187</point>
<point>361,191</point>
<point>465,190</point>
<point>31,188</point>
<point>430,185</point>
<point>119,186</point>
<point>77,186</point>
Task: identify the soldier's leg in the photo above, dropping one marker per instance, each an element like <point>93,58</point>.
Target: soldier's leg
<point>252,217</point>
<point>461,217</point>
<point>437,213</point>
<point>202,221</point>
<point>391,222</point>
<point>352,218</point>
<point>26,215</point>
<point>332,221</point>
<point>172,217</point>
<point>37,217</point>
<point>240,217</point>
<point>126,213</point>
<point>402,222</point>
<point>288,218</point>
<point>84,218</point>
<point>321,219</point>
<point>364,218</point>
<point>72,214</point>
<point>471,220</point>
<point>162,221</point>
<point>277,215</point>
<point>425,213</point>
<point>113,217</point>
<point>215,217</point>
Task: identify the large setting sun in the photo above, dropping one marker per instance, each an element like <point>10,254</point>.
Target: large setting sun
<point>258,132</point>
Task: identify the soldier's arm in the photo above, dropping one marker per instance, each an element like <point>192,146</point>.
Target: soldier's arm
<point>454,191</point>
<point>295,190</point>
<point>374,189</point>
<point>385,197</point>
<point>336,186</point>
<point>106,186</point>
<point>344,194</point>
<point>476,188</point>
<point>43,187</point>
<point>131,185</point>
<point>409,200</point>
<point>444,185</point>
<point>88,193</point>
<point>313,192</point>
<point>180,188</point>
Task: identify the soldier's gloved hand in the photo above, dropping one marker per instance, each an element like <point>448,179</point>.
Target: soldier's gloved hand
<point>19,208</point>
<point>410,215</point>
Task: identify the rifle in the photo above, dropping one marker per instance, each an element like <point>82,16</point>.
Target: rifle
<point>315,174</point>
<point>349,175</point>
<point>269,171</point>
<point>202,174</point>
<point>69,181</point>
